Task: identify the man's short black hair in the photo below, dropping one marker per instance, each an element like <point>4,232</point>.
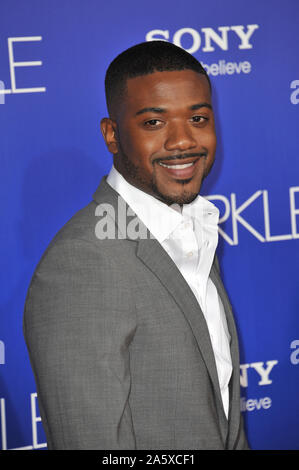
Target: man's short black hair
<point>143,59</point>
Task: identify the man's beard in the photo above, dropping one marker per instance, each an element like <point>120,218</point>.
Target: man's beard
<point>186,197</point>
<point>151,187</point>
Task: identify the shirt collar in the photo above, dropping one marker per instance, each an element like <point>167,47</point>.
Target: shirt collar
<point>160,219</point>
<point>202,210</point>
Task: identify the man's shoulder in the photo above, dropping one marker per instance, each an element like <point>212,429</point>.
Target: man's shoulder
<point>82,225</point>
<point>79,237</point>
<point>77,250</point>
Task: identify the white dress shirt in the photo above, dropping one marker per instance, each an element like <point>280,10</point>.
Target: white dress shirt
<point>190,237</point>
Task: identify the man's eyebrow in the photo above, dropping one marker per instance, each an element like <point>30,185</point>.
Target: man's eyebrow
<point>151,110</point>
<point>200,105</point>
<point>163,110</point>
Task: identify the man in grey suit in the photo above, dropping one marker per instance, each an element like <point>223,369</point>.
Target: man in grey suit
<point>129,329</point>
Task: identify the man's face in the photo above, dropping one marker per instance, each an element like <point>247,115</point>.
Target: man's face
<point>164,134</point>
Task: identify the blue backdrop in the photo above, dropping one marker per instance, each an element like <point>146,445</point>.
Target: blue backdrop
<point>53,57</point>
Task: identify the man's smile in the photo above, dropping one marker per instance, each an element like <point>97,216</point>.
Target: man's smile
<point>181,166</point>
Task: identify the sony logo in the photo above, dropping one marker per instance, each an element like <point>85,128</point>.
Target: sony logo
<point>207,38</point>
<point>262,370</point>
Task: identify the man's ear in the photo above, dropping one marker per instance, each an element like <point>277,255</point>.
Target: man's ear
<point>108,129</point>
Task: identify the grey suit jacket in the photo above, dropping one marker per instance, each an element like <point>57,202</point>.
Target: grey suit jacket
<point>120,348</point>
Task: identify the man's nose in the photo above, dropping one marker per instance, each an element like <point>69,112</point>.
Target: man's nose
<point>179,137</point>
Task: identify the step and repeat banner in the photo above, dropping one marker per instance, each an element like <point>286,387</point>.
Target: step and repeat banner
<point>53,58</point>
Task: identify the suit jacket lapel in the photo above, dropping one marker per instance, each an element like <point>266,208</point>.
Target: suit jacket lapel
<point>234,409</point>
<point>159,262</point>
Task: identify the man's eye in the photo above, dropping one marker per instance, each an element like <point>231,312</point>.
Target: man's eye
<point>199,119</point>
<point>152,123</point>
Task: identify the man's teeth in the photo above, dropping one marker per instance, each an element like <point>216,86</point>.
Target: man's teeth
<point>177,167</point>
